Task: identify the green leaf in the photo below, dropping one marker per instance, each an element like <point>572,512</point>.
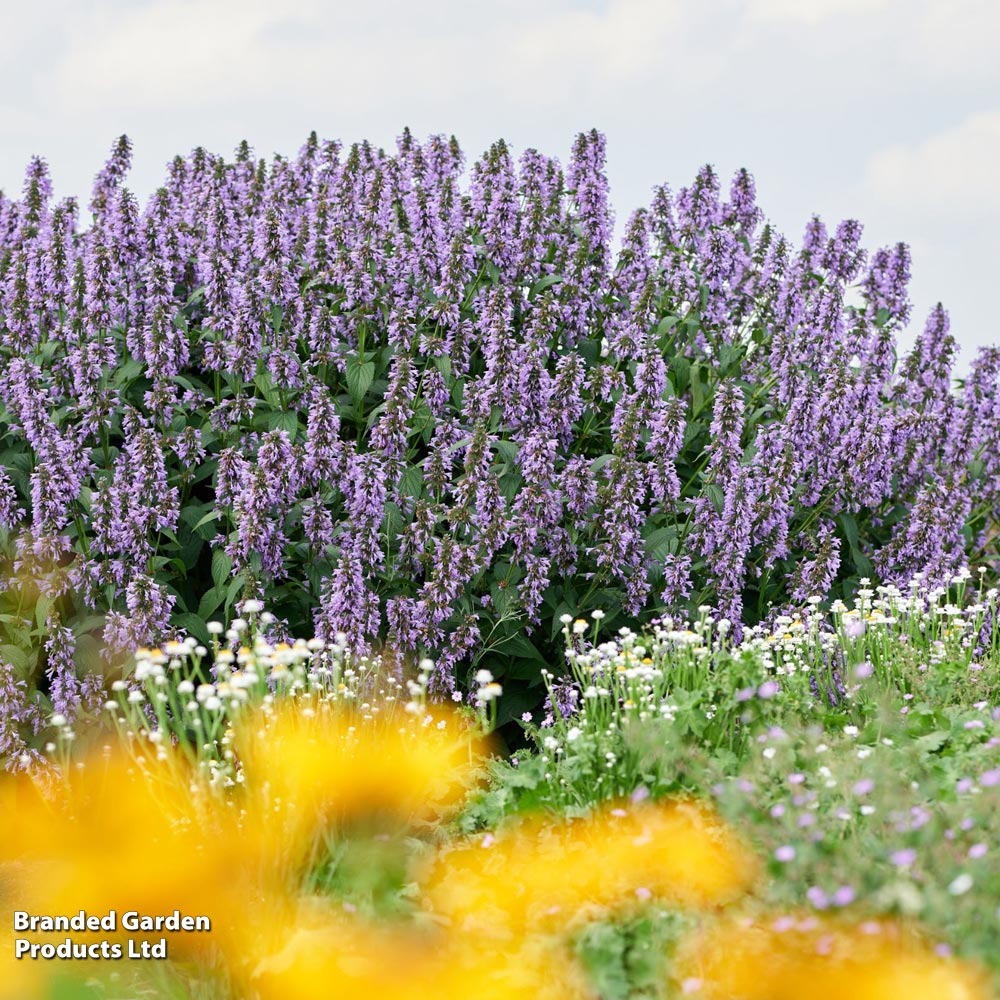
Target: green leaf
<point>166,532</point>
<point>933,741</point>
<point>320,283</point>
<point>88,623</point>
<point>22,660</point>
<point>222,567</point>
<point>526,776</point>
<point>666,325</point>
<point>209,602</point>
<point>288,421</point>
<point>275,317</point>
<point>519,645</point>
<point>42,608</point>
<point>697,391</point>
<point>359,378</point>
<point>238,583</point>
<point>500,598</point>
<point>849,526</point>
<point>513,703</point>
<point>392,520</point>
<point>184,383</point>
<point>680,374</point>
<point>728,356</point>
<point>87,654</point>
<point>443,364</point>
<point>599,463</point>
<point>206,520</point>
<point>265,387</point>
<point>658,543</point>
<point>717,497</point>
<point>557,626</point>
<point>128,372</point>
<point>506,449</point>
<point>411,483</point>
<point>539,286</point>
<point>193,624</point>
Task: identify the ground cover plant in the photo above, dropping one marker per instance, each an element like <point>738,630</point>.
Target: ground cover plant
<point>855,748</point>
<point>437,413</point>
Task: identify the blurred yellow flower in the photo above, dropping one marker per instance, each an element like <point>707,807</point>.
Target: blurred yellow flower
<point>323,759</point>
<point>113,836</point>
<point>355,961</point>
<point>790,958</point>
<point>535,874</point>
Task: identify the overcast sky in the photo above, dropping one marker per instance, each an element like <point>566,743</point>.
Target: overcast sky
<point>883,110</point>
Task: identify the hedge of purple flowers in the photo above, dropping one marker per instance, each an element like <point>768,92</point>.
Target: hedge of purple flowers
<point>433,410</point>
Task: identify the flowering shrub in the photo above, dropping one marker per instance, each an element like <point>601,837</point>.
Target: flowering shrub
<point>438,416</point>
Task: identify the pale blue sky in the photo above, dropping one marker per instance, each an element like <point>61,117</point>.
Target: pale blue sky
<point>884,110</point>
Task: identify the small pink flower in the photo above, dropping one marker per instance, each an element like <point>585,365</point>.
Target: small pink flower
<point>854,627</point>
<point>817,897</point>
<point>903,858</point>
<point>844,896</point>
<point>768,689</point>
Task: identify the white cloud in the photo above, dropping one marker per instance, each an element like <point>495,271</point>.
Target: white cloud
<point>618,44</point>
<point>810,11</point>
<point>349,58</point>
<point>956,40</point>
<point>952,175</point>
<point>161,54</point>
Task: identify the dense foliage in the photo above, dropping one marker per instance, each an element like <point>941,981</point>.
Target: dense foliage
<point>438,415</point>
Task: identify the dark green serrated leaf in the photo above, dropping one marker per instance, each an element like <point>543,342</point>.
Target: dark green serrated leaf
<point>443,364</point>
<point>539,286</point>
<point>237,584</point>
<point>717,497</point>
<point>222,567</point>
<point>210,602</point>
<point>194,625</point>
<point>411,483</point>
<point>359,378</point>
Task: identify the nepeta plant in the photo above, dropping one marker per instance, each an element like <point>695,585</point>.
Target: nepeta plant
<point>438,413</point>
